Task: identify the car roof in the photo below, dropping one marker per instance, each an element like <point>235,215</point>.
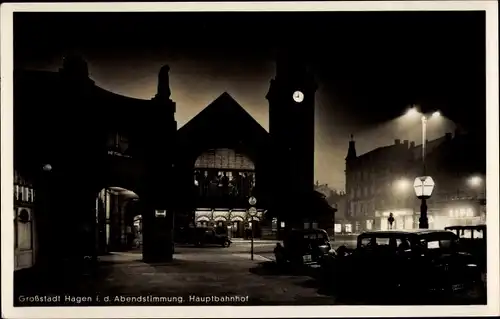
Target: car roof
<point>309,230</point>
<point>466,227</point>
<point>403,232</point>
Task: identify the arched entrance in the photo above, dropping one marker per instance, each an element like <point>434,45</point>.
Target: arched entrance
<point>119,220</point>
<point>237,227</point>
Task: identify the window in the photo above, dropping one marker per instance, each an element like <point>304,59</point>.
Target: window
<point>444,243</point>
<point>369,224</point>
<point>24,230</point>
<point>338,228</point>
<point>392,242</point>
<point>470,212</point>
<point>466,233</point>
<point>348,228</point>
<point>433,244</point>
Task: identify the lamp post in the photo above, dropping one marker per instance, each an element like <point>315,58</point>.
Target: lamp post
<point>423,220</point>
<point>420,182</point>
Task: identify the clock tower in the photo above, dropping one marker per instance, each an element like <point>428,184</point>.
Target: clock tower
<point>291,99</point>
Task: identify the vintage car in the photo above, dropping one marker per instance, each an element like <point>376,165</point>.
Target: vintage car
<point>407,262</point>
<point>305,246</point>
<point>208,236</point>
<point>472,239</point>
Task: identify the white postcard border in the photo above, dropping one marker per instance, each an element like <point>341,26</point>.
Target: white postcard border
<point>6,28</point>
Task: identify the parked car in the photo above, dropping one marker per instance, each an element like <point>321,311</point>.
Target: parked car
<point>472,239</point>
<point>208,236</point>
<point>305,246</point>
<point>409,262</point>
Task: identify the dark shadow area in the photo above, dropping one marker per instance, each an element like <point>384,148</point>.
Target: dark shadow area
<point>357,294</point>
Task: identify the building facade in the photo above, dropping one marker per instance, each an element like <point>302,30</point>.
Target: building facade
<point>380,183</point>
<point>108,145</point>
<point>24,223</point>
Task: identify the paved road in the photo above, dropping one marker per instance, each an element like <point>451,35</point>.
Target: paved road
<point>263,248</point>
<point>193,275</point>
<point>195,271</point>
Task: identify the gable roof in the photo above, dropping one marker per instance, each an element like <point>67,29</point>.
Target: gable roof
<point>224,116</point>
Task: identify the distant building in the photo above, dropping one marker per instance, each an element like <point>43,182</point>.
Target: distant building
<point>380,182</point>
<point>334,200</point>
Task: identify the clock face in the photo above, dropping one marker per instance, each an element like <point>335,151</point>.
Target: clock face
<point>298,96</point>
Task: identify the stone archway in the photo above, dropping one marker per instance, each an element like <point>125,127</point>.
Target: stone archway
<point>237,224</point>
<point>116,209</point>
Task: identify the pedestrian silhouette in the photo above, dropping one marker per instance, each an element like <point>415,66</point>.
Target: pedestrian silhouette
<point>390,220</point>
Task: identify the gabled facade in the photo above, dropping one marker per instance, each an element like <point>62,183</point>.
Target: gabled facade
<point>93,139</point>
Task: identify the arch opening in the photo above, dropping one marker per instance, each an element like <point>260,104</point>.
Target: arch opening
<point>119,220</point>
<point>223,180</point>
<point>224,173</point>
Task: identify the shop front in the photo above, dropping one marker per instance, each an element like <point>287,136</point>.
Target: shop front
<point>403,219</point>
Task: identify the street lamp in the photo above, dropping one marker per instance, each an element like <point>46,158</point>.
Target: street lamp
<point>413,111</point>
<point>436,114</point>
<point>424,221</point>
<point>402,185</point>
<point>474,181</point>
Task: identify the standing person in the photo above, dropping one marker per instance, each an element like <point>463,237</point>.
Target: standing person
<point>390,220</point>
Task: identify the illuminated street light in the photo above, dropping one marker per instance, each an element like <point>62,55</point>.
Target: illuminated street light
<point>47,167</point>
<point>475,181</point>
<point>412,112</point>
<point>402,185</point>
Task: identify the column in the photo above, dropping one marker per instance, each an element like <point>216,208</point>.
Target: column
<point>158,245</point>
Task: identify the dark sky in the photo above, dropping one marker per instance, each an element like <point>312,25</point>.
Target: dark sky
<point>370,65</point>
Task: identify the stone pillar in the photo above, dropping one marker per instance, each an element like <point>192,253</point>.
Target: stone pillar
<point>161,187</point>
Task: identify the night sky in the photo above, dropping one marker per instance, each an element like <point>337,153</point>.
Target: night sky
<point>370,66</point>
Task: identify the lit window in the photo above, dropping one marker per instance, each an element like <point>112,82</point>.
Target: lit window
<point>348,228</point>
<point>462,212</point>
<point>369,224</point>
<point>433,245</point>
<point>338,228</point>
<point>282,224</point>
<point>470,212</point>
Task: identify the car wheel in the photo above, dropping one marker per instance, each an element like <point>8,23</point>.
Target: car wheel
<point>225,244</point>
